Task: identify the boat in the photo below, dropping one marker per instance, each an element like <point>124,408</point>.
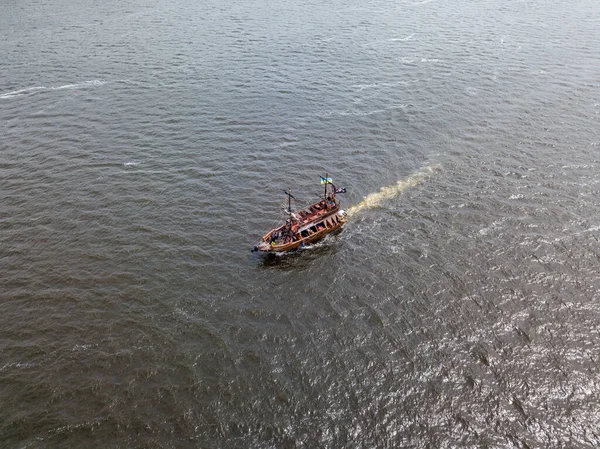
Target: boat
<point>307,225</point>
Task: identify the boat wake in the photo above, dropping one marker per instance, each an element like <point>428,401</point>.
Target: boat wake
<point>374,200</point>
<point>29,90</point>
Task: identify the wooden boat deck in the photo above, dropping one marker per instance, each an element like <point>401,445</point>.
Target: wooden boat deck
<point>279,241</point>
<point>305,225</point>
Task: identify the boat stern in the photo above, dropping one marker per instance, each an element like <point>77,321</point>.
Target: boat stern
<point>262,247</point>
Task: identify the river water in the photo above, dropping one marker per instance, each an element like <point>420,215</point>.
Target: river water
<point>144,146</point>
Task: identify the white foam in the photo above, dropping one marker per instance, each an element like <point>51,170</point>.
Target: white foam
<point>402,39</point>
<point>17,365</point>
<point>492,227</point>
<point>362,87</point>
<point>374,200</point>
<point>19,92</point>
<point>392,39</point>
<point>28,90</point>
<point>358,113</point>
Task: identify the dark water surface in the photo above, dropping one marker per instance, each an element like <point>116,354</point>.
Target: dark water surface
<point>143,149</point>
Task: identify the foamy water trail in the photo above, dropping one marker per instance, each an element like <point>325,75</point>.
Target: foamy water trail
<point>29,90</point>
<point>386,193</point>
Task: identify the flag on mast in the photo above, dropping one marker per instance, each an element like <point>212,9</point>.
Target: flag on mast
<point>326,180</point>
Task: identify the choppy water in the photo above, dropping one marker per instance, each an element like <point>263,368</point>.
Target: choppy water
<point>143,149</point>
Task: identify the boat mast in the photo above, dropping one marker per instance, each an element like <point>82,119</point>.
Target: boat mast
<point>290,196</point>
<point>328,182</point>
<point>290,203</point>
